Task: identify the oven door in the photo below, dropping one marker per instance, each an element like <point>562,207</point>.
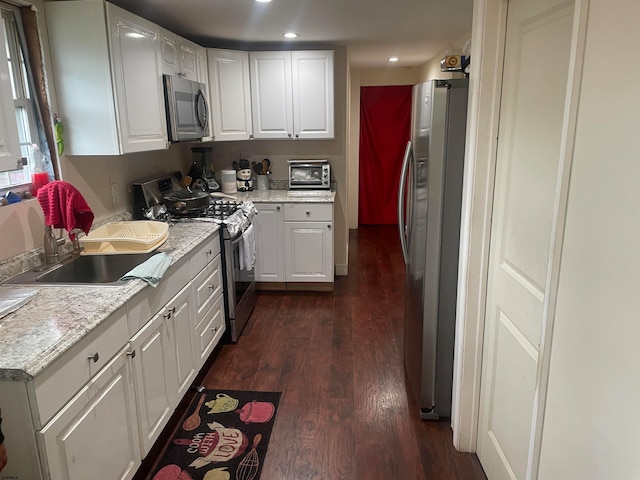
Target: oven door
<point>240,287</point>
<point>187,109</point>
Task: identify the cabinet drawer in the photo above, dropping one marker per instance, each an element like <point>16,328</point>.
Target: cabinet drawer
<point>150,300</point>
<point>207,286</point>
<point>300,212</point>
<point>209,330</point>
<point>204,253</point>
<point>59,382</point>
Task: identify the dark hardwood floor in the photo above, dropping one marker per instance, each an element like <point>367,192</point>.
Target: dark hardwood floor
<point>337,357</point>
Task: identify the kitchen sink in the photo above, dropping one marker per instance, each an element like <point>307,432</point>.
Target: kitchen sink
<point>83,270</point>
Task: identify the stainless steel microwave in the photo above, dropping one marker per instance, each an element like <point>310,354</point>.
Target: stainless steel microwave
<point>186,108</point>
<point>309,174</point>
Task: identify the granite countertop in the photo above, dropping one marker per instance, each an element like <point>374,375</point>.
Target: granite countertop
<point>288,196</point>
<point>58,317</point>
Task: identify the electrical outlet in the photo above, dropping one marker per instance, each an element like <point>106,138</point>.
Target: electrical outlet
<point>115,193</point>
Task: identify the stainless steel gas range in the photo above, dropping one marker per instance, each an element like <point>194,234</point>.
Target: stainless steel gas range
<point>236,242</point>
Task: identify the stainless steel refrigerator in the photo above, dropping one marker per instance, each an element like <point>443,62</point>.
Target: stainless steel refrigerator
<point>429,204</point>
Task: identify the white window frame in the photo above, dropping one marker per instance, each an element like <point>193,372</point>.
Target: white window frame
<point>16,154</point>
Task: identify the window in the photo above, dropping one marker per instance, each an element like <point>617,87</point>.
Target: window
<point>31,137</point>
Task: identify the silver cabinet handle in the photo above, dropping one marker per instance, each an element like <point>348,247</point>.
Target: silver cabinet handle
<point>131,354</point>
<point>169,312</point>
<point>328,227</point>
<point>209,252</point>
<point>278,208</point>
<point>95,357</point>
<point>211,287</point>
<point>215,329</point>
<point>308,213</point>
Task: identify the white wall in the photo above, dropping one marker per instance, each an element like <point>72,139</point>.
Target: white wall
<point>592,417</point>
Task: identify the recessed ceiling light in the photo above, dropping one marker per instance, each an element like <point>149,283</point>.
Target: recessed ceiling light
<point>290,35</point>
<point>263,1</point>
<point>393,59</point>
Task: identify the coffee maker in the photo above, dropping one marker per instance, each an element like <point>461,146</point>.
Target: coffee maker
<point>203,159</point>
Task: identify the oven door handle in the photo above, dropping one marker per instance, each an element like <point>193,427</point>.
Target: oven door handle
<point>236,240</point>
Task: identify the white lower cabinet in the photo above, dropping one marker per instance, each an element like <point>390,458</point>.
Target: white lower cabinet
<point>309,247</point>
<point>294,242</point>
<point>97,410</point>
<point>269,231</point>
<point>181,323</point>
<point>96,434</point>
<point>153,371</point>
<point>308,241</point>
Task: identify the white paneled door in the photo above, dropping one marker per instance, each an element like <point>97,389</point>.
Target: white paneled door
<point>530,174</point>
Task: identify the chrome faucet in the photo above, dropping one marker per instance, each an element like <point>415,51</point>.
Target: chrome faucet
<point>51,244</point>
<point>77,248</point>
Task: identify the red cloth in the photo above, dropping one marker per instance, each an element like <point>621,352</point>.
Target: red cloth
<point>65,207</point>
<point>385,128</point>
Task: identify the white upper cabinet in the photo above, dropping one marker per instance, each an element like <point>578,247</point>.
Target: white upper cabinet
<point>271,94</point>
<point>312,85</point>
<point>10,152</point>
<point>292,94</point>
<point>202,75</point>
<point>108,76</point>
<point>182,57</point>
<point>230,97</point>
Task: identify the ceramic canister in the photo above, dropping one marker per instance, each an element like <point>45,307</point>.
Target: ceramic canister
<point>228,180</point>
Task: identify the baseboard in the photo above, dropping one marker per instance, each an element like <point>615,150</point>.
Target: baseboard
<point>342,270</point>
<point>294,286</point>
<point>271,286</point>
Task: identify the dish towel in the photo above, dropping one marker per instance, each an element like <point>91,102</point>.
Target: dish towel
<point>248,249</point>
<point>151,271</point>
<point>65,207</point>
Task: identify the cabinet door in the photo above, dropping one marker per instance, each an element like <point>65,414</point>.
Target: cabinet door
<point>268,225</point>
<point>309,247</point>
<point>180,318</point>
<point>96,434</point>
<point>202,74</point>
<point>271,94</point>
<point>312,85</point>
<point>169,52</point>
<point>10,146</point>
<point>154,367</point>
<point>137,74</point>
<point>188,61</point>
<point>230,94</point>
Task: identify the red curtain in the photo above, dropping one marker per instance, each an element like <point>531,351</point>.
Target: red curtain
<point>385,129</point>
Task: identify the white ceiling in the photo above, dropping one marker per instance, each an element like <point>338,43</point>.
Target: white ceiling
<point>372,30</point>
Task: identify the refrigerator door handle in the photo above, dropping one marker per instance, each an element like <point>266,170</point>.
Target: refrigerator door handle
<point>402,227</point>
